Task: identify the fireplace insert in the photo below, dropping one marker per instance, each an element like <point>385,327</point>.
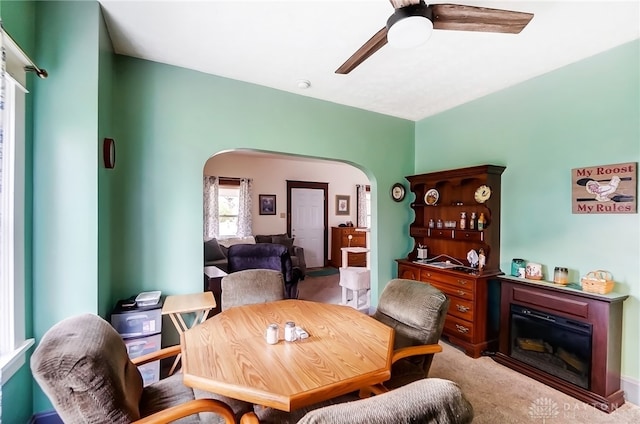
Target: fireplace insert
<point>553,344</point>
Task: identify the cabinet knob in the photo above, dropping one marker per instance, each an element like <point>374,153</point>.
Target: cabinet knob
<point>462,308</point>
<point>462,328</point>
<point>462,282</point>
<point>461,293</point>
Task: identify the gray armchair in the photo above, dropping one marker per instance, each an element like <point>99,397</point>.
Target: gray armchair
<point>429,400</point>
<point>251,286</point>
<point>82,365</point>
<point>416,311</point>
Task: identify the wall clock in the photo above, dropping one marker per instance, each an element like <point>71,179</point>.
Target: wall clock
<point>482,194</point>
<point>109,152</point>
<point>397,192</point>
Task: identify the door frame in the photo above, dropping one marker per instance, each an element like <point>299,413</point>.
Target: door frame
<point>291,184</point>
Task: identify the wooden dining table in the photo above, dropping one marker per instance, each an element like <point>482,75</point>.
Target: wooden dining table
<point>345,351</point>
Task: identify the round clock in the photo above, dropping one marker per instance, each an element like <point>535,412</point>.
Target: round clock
<point>397,192</point>
<point>482,194</point>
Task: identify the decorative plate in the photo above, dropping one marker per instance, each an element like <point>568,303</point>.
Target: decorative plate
<point>431,197</point>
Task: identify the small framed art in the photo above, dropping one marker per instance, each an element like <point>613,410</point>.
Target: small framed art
<point>342,204</point>
<point>267,204</point>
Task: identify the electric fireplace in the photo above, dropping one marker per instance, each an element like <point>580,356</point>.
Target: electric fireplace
<point>566,338</point>
<point>553,344</point>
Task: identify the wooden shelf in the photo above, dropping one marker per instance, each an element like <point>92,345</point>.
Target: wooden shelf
<point>467,323</point>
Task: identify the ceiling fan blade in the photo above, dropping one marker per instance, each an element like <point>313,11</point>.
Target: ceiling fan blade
<point>374,44</point>
<point>397,4</point>
<point>471,18</point>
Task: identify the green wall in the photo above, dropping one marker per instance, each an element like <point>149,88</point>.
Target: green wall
<point>585,114</point>
<point>171,120</point>
<point>105,197</point>
<point>65,239</point>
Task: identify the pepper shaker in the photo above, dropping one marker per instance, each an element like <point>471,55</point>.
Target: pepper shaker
<point>290,331</point>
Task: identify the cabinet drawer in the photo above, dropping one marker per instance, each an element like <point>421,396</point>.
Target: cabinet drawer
<point>454,281</point>
<point>358,240</point>
<point>408,272</point>
<point>418,232</point>
<point>458,328</point>
<point>469,235</point>
<point>439,233</point>
<point>461,308</point>
<point>452,291</point>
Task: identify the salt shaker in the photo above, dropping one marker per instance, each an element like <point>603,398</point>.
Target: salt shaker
<point>290,331</point>
<point>272,334</point>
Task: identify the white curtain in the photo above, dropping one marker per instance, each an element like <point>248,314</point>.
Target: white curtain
<point>244,209</point>
<point>362,205</point>
<point>211,215</point>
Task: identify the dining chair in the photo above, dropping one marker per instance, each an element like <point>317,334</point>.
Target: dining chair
<point>416,311</point>
<point>429,400</point>
<point>83,367</point>
<point>251,286</point>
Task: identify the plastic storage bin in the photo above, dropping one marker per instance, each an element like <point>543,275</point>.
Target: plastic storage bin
<point>142,345</point>
<point>137,321</point>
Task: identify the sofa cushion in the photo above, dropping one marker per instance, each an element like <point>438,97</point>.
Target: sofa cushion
<point>284,240</point>
<point>263,238</point>
<point>228,242</point>
<point>212,251</point>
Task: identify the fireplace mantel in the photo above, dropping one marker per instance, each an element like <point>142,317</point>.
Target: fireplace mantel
<point>602,311</point>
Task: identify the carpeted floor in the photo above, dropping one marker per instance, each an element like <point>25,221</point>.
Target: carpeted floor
<point>498,394</point>
<point>322,272</point>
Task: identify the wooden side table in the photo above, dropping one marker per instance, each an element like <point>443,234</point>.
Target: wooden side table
<point>177,306</point>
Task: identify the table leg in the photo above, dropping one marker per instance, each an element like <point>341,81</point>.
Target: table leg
<point>181,327</point>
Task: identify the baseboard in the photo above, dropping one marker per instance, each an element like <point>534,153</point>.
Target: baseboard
<point>49,417</point>
<point>631,388</point>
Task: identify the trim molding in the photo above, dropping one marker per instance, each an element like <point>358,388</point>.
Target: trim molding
<point>631,388</point>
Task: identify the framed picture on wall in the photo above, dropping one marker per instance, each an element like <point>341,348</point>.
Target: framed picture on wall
<point>267,204</point>
<point>342,204</point>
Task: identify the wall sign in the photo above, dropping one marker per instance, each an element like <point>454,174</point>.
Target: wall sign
<point>605,189</point>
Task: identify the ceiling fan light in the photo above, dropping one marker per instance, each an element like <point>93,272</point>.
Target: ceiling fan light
<point>410,32</point>
<point>410,26</point>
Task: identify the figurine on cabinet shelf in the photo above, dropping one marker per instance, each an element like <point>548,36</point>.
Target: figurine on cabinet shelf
<point>482,259</point>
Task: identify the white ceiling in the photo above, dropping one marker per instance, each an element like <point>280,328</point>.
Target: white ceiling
<point>277,43</point>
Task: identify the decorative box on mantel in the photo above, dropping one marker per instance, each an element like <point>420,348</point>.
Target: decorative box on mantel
<point>566,338</point>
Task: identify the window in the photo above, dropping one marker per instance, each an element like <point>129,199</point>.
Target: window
<point>228,209</point>
<point>12,220</point>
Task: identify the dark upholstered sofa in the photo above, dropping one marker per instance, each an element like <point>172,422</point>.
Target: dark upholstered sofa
<point>216,252</point>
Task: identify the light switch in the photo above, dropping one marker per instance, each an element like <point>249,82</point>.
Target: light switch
<point>283,215</point>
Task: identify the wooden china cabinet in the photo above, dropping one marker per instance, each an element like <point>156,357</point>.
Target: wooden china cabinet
<point>340,238</point>
<point>440,200</point>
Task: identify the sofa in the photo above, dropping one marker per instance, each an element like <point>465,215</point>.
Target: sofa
<point>266,256</point>
<point>216,250</point>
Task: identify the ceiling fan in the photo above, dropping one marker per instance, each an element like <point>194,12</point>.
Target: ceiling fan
<point>412,21</point>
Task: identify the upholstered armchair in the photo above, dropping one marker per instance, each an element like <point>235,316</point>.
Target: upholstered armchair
<point>251,286</point>
<point>265,256</point>
<point>82,365</point>
<point>416,311</point>
<point>429,400</point>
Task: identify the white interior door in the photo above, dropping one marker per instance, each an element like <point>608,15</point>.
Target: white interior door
<point>307,223</point>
